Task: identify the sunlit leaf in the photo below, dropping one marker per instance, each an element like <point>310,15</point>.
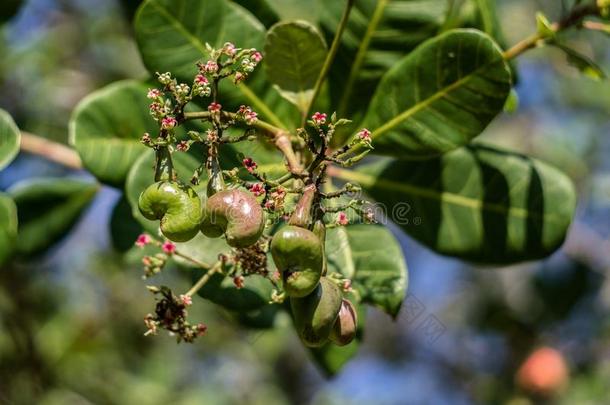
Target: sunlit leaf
<point>48,209</point>
<point>477,203</point>
<point>9,139</point>
<point>439,97</point>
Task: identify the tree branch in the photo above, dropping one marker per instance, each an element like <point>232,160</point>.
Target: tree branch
<point>53,151</point>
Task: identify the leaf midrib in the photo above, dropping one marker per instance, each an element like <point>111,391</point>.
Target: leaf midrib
<point>444,196</point>
<point>391,124</point>
<point>243,88</point>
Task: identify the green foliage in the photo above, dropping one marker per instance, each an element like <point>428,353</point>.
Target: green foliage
<point>8,227</point>
<point>477,203</point>
<point>47,210</point>
<point>378,35</point>
<point>439,97</point>
<point>106,128</point>
<point>295,53</point>
<point>371,257</point>
<point>187,26</point>
<point>9,139</point>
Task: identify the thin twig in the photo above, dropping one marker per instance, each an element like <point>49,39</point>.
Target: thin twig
<point>330,58</point>
<point>53,151</point>
<point>204,279</point>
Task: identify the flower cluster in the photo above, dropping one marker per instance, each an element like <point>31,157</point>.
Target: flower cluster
<point>247,114</point>
<point>171,315</point>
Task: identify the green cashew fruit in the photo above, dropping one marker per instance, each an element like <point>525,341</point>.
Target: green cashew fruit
<point>344,329</point>
<point>315,314</point>
<point>236,214</point>
<point>299,256</point>
<point>177,206</point>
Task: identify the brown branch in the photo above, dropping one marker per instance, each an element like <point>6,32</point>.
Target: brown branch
<point>53,151</point>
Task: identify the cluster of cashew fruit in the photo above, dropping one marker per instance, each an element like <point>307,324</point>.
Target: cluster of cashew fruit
<point>320,312</point>
<point>233,213</point>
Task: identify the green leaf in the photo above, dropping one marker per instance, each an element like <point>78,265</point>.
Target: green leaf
<point>378,35</point>
<point>582,62</point>
<point>172,35</point>
<point>543,25</point>
<point>8,227</point>
<point>10,138</point>
<point>255,294</point>
<point>124,229</point>
<point>294,55</point>
<point>48,209</point>
<point>106,128</point>
<point>439,97</point>
<point>372,258</point>
<point>477,203</point>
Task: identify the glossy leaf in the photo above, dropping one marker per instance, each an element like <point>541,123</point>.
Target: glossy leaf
<point>10,138</point>
<point>378,35</point>
<point>48,209</point>
<point>255,294</point>
<point>172,35</point>
<point>124,228</point>
<point>106,128</point>
<point>582,62</point>
<point>8,227</point>
<point>478,203</point>
<point>294,55</point>
<point>439,97</point>
<point>372,258</point>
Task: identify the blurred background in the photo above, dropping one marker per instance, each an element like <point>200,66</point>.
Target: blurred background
<point>71,322</point>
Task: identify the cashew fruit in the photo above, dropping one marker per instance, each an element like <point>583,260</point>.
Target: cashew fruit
<point>298,254</point>
<point>236,214</point>
<point>176,205</point>
<point>315,315</point>
<point>344,329</point>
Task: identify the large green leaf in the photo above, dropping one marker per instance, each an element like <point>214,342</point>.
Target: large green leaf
<point>106,128</point>
<point>478,203</point>
<point>378,35</point>
<point>295,53</point>
<point>8,227</point>
<point>9,139</point>
<point>440,96</point>
<point>372,258</point>
<point>172,35</point>
<point>124,228</point>
<point>47,210</point>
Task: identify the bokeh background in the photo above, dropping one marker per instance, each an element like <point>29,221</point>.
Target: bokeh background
<point>71,329</point>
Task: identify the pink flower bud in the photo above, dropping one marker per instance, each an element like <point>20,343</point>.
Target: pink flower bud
<point>257,189</point>
<point>319,118</point>
<point>201,80</point>
<point>143,240</point>
<point>211,66</point>
<point>257,56</point>
<point>214,107</point>
<point>186,300</point>
<point>153,93</point>
<point>342,219</point>
<point>182,146</point>
<point>169,248</point>
<point>168,122</point>
<point>364,134</point>
<point>250,164</point>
